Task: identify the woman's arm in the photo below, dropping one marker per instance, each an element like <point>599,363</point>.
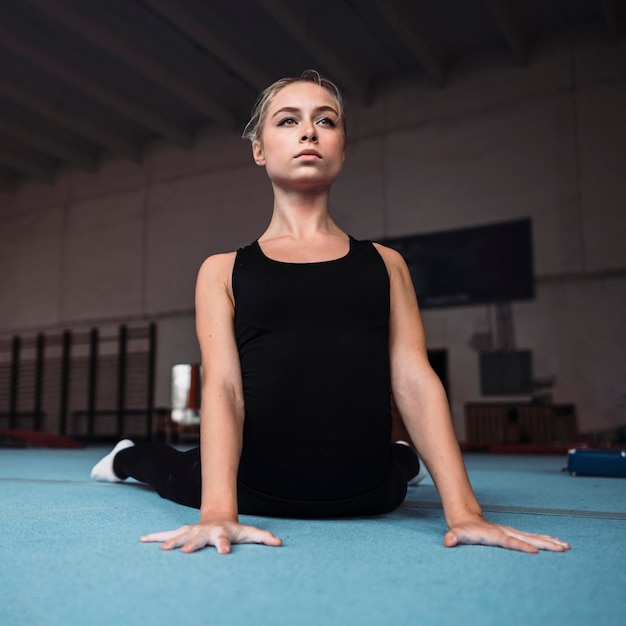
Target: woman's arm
<point>422,403</point>
<point>221,425</point>
<point>222,413</point>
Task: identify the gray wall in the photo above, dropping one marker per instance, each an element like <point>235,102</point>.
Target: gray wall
<point>546,141</point>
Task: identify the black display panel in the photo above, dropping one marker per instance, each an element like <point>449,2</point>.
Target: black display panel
<point>480,264</point>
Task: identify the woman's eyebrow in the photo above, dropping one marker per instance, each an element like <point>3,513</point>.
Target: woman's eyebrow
<point>320,109</point>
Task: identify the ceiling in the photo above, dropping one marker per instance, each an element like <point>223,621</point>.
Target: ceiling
<point>81,80</point>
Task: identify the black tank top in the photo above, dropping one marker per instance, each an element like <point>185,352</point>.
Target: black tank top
<point>313,341</point>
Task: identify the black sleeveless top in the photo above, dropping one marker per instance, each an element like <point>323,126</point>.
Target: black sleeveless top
<point>313,341</point>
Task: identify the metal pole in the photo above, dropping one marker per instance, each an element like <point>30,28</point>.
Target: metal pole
<point>15,374</point>
<point>65,381</point>
<point>121,378</point>
<point>39,373</point>
<point>93,380</point>
<point>151,377</point>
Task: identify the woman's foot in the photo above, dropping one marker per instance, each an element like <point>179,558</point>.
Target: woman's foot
<point>422,472</point>
<point>103,469</point>
<point>419,477</point>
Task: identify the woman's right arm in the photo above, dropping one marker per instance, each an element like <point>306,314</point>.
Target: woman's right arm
<point>222,415</point>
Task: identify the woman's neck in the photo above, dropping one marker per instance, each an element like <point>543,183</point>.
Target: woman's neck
<point>301,230</point>
<point>300,215</point>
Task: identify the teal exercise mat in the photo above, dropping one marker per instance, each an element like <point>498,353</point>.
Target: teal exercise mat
<point>585,462</point>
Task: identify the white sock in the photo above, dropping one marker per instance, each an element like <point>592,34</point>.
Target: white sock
<point>422,473</point>
<point>103,469</point>
<point>416,480</point>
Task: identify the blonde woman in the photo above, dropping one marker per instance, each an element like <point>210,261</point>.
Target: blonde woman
<point>304,334</point>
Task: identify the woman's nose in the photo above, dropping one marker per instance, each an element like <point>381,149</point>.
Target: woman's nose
<point>308,132</point>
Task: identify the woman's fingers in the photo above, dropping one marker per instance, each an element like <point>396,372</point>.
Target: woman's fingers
<point>251,534</point>
<point>219,534</point>
<point>459,536</point>
<point>542,542</point>
<point>485,533</point>
<point>222,543</point>
<point>161,536</point>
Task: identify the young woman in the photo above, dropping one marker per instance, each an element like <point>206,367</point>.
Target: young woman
<point>305,336</point>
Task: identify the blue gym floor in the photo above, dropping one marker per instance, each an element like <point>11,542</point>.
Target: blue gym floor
<point>70,554</point>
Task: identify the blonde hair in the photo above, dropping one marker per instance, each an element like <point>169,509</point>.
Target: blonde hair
<point>254,127</point>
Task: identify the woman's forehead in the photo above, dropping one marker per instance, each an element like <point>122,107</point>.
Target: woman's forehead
<point>302,93</point>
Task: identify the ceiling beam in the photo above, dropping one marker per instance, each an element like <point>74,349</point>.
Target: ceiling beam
<point>609,10</point>
<point>284,15</point>
<point>217,37</point>
<point>29,167</point>
<point>130,54</point>
<point>135,111</point>
<point>71,122</point>
<point>22,134</point>
<point>509,28</point>
<point>418,47</point>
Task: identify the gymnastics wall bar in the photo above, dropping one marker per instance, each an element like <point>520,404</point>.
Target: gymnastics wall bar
<point>88,384</point>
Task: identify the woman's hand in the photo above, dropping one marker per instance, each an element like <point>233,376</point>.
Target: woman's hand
<point>488,534</point>
<point>219,533</point>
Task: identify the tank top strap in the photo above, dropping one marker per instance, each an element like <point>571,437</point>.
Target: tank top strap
<point>245,255</point>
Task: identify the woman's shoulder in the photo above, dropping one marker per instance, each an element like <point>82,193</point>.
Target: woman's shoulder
<point>217,268</point>
<point>391,257</point>
<point>218,261</point>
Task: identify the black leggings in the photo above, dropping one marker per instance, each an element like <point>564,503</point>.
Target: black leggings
<point>176,476</point>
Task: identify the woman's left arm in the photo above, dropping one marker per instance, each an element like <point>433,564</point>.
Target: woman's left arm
<point>422,403</point>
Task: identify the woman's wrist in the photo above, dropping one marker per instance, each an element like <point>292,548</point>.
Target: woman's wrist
<point>467,512</point>
<point>219,508</point>
<point>211,514</point>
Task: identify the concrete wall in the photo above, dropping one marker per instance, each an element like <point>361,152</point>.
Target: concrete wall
<point>499,142</point>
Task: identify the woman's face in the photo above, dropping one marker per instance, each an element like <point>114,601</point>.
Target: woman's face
<point>302,143</point>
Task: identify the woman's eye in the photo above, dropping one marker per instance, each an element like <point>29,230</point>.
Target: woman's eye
<point>288,121</point>
<point>326,121</point>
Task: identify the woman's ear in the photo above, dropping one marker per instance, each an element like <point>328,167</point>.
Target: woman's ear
<point>257,152</point>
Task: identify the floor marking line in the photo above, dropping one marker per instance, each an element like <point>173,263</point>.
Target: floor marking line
<point>56,481</point>
<point>410,504</point>
<point>493,508</point>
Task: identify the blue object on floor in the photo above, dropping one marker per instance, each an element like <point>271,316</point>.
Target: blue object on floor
<point>584,462</point>
<point>70,555</point>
